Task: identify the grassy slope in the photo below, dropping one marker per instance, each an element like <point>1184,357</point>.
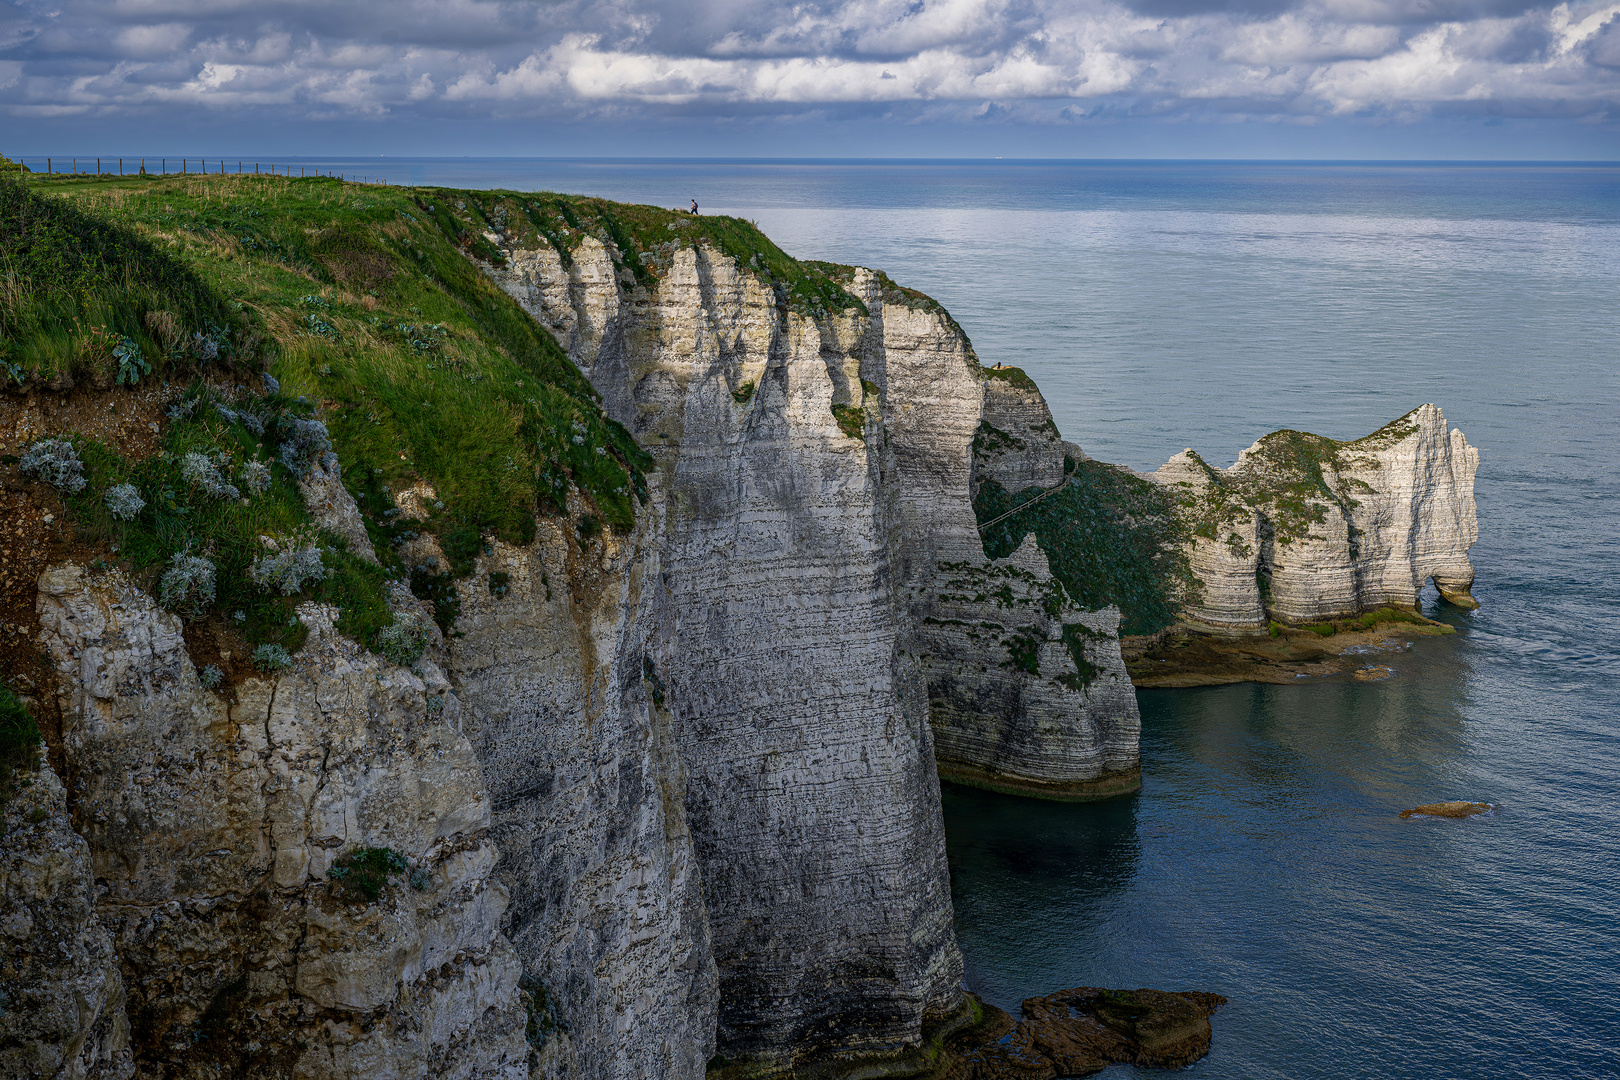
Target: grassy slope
<point>360,301</point>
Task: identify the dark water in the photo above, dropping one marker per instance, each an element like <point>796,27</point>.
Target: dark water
<point>1169,305</point>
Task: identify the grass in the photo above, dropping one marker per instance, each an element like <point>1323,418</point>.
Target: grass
<point>1292,477</point>
<point>1110,537</point>
<point>360,875</point>
<point>81,297</point>
<point>19,735</point>
<point>360,302</point>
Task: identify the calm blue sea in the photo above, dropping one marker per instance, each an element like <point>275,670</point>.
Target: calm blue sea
<point>1165,305</point>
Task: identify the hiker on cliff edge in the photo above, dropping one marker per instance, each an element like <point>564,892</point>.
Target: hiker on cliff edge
<point>694,208</point>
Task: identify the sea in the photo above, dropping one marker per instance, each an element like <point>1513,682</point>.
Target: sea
<point>1163,305</point>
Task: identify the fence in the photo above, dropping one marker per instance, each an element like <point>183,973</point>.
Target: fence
<point>187,166</point>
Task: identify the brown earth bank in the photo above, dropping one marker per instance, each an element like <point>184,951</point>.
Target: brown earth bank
<point>1082,1031</point>
<point>1188,655</point>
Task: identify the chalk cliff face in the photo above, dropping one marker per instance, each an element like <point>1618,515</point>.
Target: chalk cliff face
<point>1027,691</point>
<point>63,1013</point>
<point>564,688</point>
<point>663,795</point>
<point>1302,527</point>
<point>802,727</point>
<point>212,821</point>
<point>818,532</point>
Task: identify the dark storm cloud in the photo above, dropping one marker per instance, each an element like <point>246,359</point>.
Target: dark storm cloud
<point>1055,61</point>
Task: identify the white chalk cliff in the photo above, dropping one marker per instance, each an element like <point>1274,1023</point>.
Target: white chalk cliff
<point>1303,528</point>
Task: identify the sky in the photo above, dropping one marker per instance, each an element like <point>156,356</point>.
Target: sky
<point>1428,79</point>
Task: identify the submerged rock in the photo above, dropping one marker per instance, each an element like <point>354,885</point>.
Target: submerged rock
<point>1082,1031</point>
<point>1448,809</point>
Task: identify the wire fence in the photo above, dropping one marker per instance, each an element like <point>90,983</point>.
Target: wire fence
<point>167,166</point>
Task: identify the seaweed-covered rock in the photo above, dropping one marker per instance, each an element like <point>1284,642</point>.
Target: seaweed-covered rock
<point>1082,1031</point>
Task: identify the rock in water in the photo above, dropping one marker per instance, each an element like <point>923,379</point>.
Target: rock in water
<point>1448,809</point>
<point>1305,528</point>
<point>1081,1031</point>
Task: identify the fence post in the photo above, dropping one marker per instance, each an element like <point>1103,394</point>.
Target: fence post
<point>47,166</point>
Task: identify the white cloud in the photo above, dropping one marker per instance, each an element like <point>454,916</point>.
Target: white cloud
<point>466,57</point>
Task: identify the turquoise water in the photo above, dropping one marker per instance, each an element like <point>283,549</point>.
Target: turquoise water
<point>1169,305</point>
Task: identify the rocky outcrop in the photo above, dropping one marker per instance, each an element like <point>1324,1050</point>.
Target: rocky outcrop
<point>1027,691</point>
<point>1082,1031</point>
<point>62,1014</point>
<point>1304,528</point>
<point>215,821</point>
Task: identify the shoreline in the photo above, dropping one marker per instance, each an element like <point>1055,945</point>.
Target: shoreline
<point>1188,655</point>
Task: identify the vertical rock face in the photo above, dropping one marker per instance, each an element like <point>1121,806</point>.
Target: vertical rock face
<point>563,687</point>
<point>1302,527</point>
<point>63,1013</point>
<point>1028,694</point>
<point>213,819</point>
<point>818,475</point>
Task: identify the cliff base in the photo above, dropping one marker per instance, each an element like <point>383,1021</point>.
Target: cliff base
<point>1107,786</point>
<point>1192,655</point>
<point>1082,1031</point>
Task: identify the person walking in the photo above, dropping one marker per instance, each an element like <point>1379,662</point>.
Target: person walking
<point>694,208</point>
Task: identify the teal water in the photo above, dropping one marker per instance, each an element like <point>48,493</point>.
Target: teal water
<point>1164,305</point>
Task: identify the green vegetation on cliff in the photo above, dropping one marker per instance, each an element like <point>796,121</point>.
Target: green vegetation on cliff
<point>1110,537</point>
<point>360,303</point>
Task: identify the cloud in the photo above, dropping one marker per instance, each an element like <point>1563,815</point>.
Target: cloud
<point>1071,61</point>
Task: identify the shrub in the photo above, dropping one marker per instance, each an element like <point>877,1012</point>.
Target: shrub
<point>255,476</point>
<point>200,471</point>
<point>19,734</point>
<point>303,442</point>
<point>55,462</point>
<point>131,364</point>
<point>1274,628</point>
<point>210,676</point>
<point>269,658</point>
<point>402,641</point>
<point>124,501</point>
<point>361,874</point>
<point>289,571</point>
<point>1321,629</point>
<point>187,586</point>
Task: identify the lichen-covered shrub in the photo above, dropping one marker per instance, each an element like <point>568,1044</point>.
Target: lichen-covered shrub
<point>402,642</point>
<point>255,477</point>
<point>271,658</point>
<point>124,501</point>
<point>55,462</point>
<point>202,473</point>
<point>187,586</point>
<point>288,572</point>
<point>303,443</point>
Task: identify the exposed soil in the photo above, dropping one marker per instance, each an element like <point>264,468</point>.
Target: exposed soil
<point>35,529</point>
<point>1190,657</point>
<point>1082,1031</point>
